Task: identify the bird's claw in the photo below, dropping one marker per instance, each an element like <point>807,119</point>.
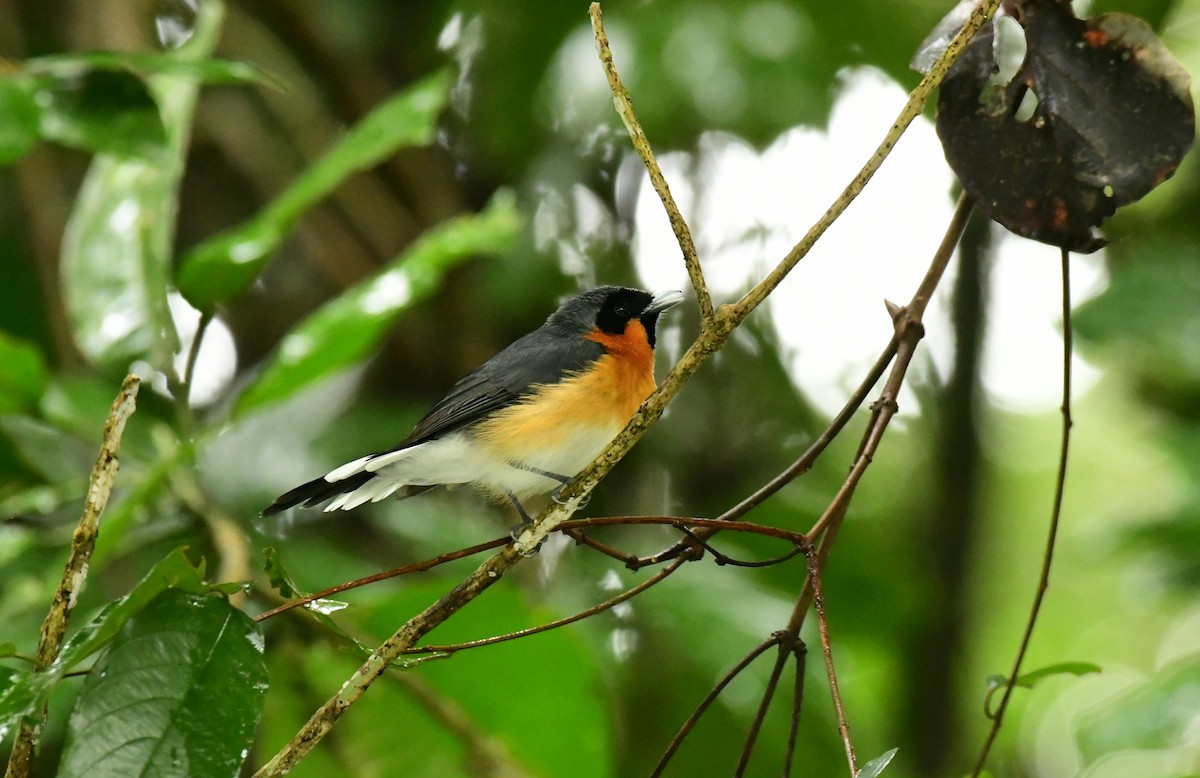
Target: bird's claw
<point>556,495</point>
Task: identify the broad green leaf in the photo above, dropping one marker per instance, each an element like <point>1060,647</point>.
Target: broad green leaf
<point>179,693</point>
<point>55,455</point>
<point>118,242</point>
<point>147,63</point>
<point>174,571</point>
<point>224,265</point>
<point>110,111</point>
<point>23,372</point>
<point>7,649</point>
<point>876,766</point>
<point>347,328</point>
<point>19,119</point>
<point>19,694</point>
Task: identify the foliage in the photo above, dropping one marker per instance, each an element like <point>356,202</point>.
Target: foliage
<point>360,249</point>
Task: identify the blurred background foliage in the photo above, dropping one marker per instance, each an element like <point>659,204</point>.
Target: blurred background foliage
<point>365,200</point>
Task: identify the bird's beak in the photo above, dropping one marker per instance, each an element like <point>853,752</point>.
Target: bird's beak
<point>664,300</point>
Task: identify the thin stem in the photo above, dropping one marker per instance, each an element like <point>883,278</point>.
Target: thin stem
<point>814,579</point>
<point>708,700</point>
<point>592,611</point>
<point>624,105</point>
<point>1055,515</point>
<point>763,706</point>
<point>799,652</point>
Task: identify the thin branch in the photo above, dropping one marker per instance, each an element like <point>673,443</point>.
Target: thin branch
<point>624,105</point>
<point>814,580</point>
<point>83,542</point>
<point>708,700</point>
<point>799,652</point>
<point>418,567</point>
<point>592,611</point>
<point>912,109</point>
<point>764,705</point>
<point>1055,515</point>
<point>712,338</point>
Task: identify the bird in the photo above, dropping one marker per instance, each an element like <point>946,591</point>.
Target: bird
<point>525,422</point>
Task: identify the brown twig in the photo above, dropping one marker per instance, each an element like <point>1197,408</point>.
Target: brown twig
<point>799,652</point>
<point>764,705</point>
<point>83,541</point>
<point>814,582</point>
<point>612,602</point>
<point>1055,516</point>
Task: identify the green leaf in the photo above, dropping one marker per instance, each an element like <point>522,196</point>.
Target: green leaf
<point>7,649</point>
<point>321,609</point>
<point>179,693</point>
<point>873,768</point>
<point>114,263</point>
<point>174,571</point>
<point>20,119</point>
<point>224,265</point>
<point>145,63</point>
<point>1031,679</point>
<point>109,111</point>
<point>23,372</point>
<point>117,248</point>
<point>347,328</point>
<point>55,455</point>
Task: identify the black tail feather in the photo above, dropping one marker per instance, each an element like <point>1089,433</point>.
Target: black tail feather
<point>316,491</point>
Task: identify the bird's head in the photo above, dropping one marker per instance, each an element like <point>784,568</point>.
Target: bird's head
<point>607,314</point>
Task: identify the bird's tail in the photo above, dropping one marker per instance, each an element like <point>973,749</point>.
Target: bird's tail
<point>350,492</point>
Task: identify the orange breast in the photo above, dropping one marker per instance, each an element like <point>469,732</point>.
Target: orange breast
<point>602,397</point>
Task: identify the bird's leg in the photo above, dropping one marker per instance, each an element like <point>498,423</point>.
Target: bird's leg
<point>515,531</point>
<point>563,480</point>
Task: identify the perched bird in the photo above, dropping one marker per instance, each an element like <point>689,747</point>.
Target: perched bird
<point>525,422</point>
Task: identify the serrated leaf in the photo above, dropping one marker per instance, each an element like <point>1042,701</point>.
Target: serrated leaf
<point>876,766</point>
<point>179,693</point>
<point>20,119</point>
<point>223,266</point>
<point>23,372</point>
<point>347,328</point>
<point>106,111</point>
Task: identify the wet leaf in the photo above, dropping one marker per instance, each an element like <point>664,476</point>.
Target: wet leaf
<point>23,372</point>
<point>110,111</point>
<point>224,265</point>
<point>321,609</point>
<point>347,328</point>
<point>114,265</point>
<point>876,766</point>
<point>30,690</point>
<point>1113,119</point>
<point>19,119</point>
<point>178,693</point>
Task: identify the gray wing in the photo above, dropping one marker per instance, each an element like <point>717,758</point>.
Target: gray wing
<point>541,357</point>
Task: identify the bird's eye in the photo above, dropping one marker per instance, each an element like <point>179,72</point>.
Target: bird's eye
<point>624,311</point>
